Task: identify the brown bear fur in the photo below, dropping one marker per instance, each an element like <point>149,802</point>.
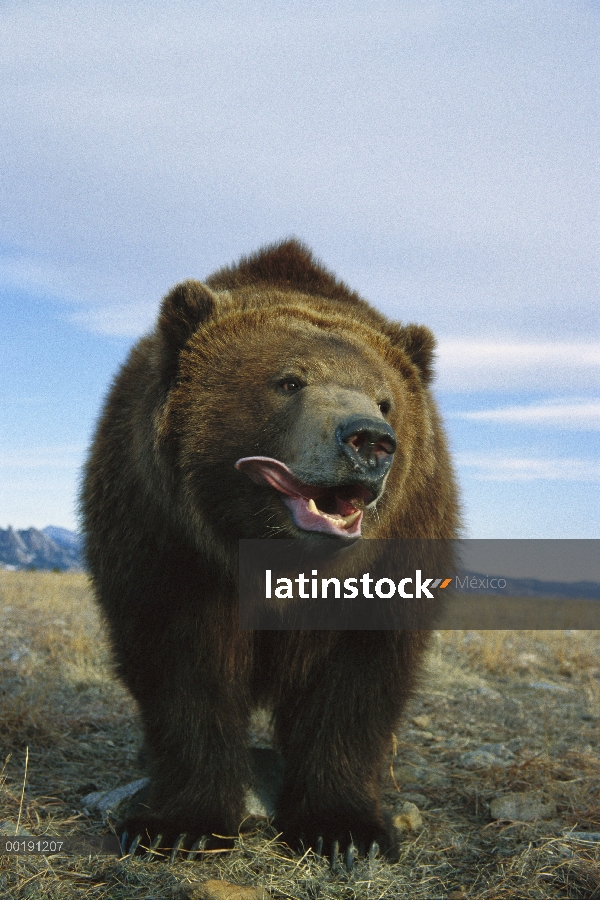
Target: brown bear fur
<point>164,508</point>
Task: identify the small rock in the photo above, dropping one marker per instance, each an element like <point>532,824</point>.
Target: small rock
<point>434,779</point>
<point>591,836</point>
<point>91,800</point>
<point>525,661</point>
<point>409,774</point>
<point>419,800</point>
<point>485,756</point>
<point>483,692</point>
<point>522,808</point>
<point>419,775</point>
<point>471,637</point>
<point>109,803</point>
<point>9,828</point>
<point>548,686</point>
<point>220,890</point>
<point>407,818</point>
<point>422,721</point>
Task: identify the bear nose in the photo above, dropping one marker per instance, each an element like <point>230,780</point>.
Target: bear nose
<point>369,444</point>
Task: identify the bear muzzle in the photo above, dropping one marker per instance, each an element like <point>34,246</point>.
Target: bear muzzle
<point>335,510</point>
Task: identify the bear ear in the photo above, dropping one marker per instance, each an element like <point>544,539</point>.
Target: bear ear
<point>182,311</point>
<point>418,343</point>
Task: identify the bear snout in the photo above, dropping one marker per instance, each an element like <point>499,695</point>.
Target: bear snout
<point>369,444</point>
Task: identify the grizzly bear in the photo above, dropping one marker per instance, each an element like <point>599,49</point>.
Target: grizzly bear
<point>270,401</point>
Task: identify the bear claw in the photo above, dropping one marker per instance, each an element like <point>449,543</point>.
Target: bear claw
<point>177,847</point>
<point>335,849</point>
<point>153,852</point>
<point>198,846</point>
<point>350,857</point>
<point>134,844</point>
<point>130,849</point>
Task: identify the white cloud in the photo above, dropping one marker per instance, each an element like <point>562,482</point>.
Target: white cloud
<point>38,498</point>
<point>68,456</point>
<point>479,365</point>
<point>447,148</point>
<point>492,467</point>
<point>105,302</point>
<point>38,486</point>
<point>579,415</point>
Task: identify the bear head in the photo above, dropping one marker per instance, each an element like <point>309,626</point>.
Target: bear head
<point>291,407</point>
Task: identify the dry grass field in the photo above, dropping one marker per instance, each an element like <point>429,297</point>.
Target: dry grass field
<point>497,713</point>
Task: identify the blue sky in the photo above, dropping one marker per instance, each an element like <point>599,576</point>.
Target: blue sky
<point>439,156</point>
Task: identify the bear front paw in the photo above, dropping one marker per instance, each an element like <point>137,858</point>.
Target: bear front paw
<point>339,840</point>
<point>159,839</point>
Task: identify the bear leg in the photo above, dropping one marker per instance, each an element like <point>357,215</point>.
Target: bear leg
<point>194,707</point>
<point>341,699</point>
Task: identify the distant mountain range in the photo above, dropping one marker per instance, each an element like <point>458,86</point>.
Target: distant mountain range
<point>51,548</point>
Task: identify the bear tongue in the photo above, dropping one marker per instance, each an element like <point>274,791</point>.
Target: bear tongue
<point>298,499</point>
<point>264,470</point>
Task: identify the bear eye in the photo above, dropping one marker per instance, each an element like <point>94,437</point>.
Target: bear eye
<point>384,406</point>
<point>291,385</point>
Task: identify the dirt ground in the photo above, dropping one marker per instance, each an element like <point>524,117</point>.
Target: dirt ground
<point>496,714</point>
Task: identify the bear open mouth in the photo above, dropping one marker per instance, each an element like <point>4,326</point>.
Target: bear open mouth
<point>331,510</point>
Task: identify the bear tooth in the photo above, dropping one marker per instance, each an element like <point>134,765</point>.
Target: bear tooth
<point>343,521</point>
